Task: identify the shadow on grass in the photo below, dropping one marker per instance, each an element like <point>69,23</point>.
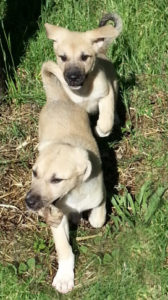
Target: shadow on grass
<point>20,23</point>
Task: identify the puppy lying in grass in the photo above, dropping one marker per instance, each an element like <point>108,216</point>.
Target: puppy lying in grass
<point>67,174</point>
<point>84,71</point>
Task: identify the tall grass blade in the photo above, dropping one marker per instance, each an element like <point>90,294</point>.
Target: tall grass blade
<point>154,202</point>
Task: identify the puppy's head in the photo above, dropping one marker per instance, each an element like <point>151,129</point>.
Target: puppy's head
<point>76,51</point>
<point>58,170</point>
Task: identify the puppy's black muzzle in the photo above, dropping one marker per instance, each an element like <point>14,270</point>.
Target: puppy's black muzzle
<point>74,77</point>
<point>33,201</point>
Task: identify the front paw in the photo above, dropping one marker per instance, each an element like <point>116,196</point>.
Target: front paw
<point>97,223</point>
<point>63,281</point>
<point>100,133</point>
<point>52,215</point>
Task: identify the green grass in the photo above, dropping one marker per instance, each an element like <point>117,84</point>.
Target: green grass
<point>14,288</point>
<point>2,9</point>
<point>128,258</point>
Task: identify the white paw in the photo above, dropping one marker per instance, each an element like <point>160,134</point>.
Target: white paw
<point>96,222</point>
<point>101,133</point>
<point>63,281</point>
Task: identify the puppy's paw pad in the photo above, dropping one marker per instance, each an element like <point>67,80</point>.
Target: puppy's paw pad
<point>101,133</point>
<point>64,282</point>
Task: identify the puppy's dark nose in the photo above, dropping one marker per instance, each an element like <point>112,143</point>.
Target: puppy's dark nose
<point>74,76</point>
<point>33,201</point>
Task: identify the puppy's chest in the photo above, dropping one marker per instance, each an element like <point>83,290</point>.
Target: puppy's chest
<point>89,100</point>
<point>82,199</point>
<point>89,104</point>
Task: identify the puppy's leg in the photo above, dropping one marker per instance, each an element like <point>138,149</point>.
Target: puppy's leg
<point>106,114</point>
<point>64,279</point>
<point>53,81</point>
<point>97,216</point>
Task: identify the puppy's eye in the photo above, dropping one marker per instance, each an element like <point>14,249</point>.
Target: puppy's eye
<point>63,57</point>
<point>55,180</point>
<point>34,173</point>
<point>84,57</point>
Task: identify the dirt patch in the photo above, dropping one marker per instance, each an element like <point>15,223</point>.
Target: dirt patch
<point>18,133</point>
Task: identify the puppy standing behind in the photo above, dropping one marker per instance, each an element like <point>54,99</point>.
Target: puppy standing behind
<point>86,75</point>
<point>67,172</point>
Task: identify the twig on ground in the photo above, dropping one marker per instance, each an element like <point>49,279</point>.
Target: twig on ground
<point>9,206</point>
<point>83,238</point>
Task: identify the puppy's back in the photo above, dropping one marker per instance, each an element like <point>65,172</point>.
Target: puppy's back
<point>60,118</point>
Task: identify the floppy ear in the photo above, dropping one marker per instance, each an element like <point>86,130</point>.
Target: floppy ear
<point>54,32</point>
<point>102,37</point>
<point>88,171</point>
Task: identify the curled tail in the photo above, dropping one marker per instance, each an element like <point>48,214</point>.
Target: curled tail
<point>52,85</point>
<point>112,17</point>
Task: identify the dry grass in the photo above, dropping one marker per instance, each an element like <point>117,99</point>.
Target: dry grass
<point>16,159</point>
<point>17,156</point>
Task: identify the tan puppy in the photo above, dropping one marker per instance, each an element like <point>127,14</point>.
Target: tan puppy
<point>85,73</point>
<point>67,173</point>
